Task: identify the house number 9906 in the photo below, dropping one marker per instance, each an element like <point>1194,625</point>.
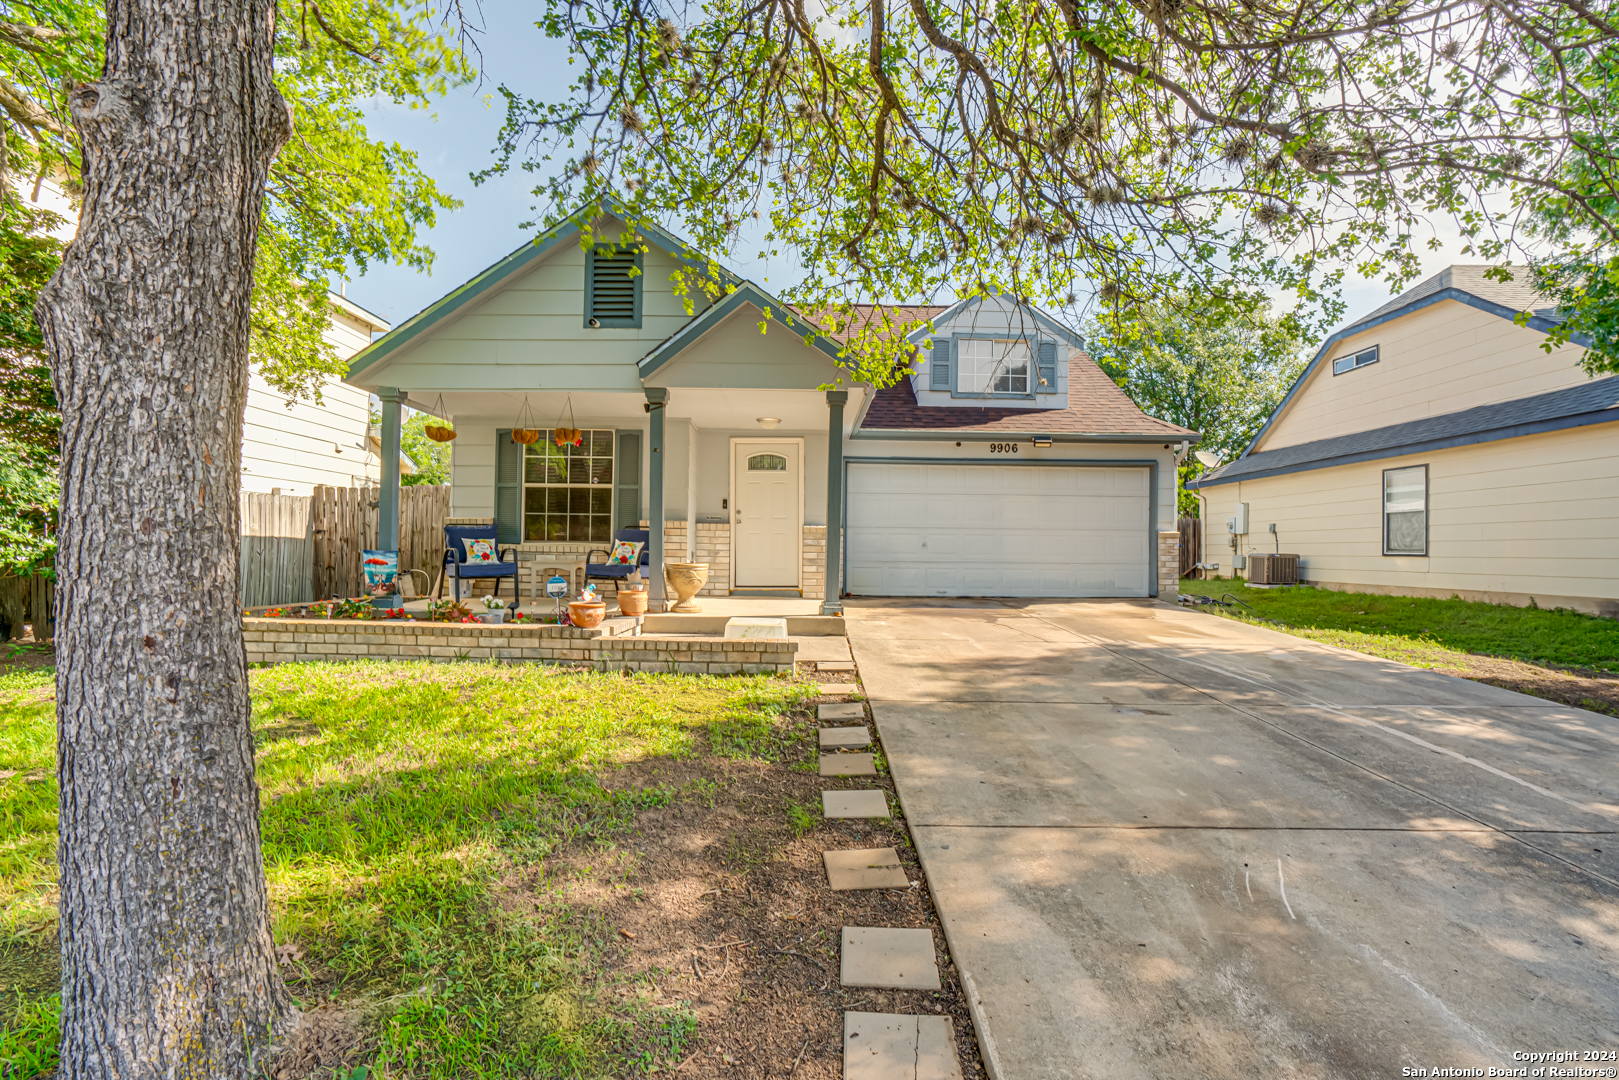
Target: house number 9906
<point>1003,448</point>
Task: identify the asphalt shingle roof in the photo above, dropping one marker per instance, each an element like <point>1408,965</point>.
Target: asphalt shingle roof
<point>1096,406</point>
<point>1518,294</point>
<point>1596,397</point>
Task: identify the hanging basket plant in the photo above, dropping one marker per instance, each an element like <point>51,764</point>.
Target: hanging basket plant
<point>438,432</point>
<point>524,433</point>
<point>567,436</point>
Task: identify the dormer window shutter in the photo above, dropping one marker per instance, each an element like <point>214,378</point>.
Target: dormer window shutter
<point>1048,368</point>
<point>939,379</point>
<point>613,289</point>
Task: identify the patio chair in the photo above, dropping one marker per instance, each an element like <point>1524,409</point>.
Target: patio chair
<point>611,572</point>
<point>456,566</point>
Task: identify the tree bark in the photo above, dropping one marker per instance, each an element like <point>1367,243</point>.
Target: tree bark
<point>168,966</point>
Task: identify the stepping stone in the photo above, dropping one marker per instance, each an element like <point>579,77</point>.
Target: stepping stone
<point>842,710</point>
<point>888,958</point>
<point>868,868</point>
<point>835,665</point>
<point>755,628</point>
<point>888,1046</point>
<point>854,804</point>
<point>845,738</point>
<point>848,765</point>
<point>837,689</point>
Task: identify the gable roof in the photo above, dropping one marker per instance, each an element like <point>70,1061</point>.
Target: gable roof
<point>1596,402</point>
<point>1466,284</point>
<point>488,278</point>
<point>1097,409</point>
<point>717,312</point>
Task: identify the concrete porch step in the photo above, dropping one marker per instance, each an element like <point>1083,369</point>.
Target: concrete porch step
<point>669,622</point>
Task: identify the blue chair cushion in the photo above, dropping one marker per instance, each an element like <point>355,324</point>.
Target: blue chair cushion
<point>489,569</point>
<point>608,570</point>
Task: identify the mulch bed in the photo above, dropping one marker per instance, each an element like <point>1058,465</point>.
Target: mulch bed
<point>722,905</point>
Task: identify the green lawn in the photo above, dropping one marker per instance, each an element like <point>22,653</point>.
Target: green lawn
<point>394,796</point>
<point>1554,638</point>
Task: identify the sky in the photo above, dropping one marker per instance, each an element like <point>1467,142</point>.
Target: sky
<point>457,139</point>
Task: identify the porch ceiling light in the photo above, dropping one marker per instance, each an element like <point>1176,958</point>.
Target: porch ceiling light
<point>769,422</point>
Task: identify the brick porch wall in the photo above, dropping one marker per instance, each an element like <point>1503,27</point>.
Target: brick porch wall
<point>280,641</point>
<point>1169,566</point>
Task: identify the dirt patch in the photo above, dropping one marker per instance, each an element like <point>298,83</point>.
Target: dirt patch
<point>719,903</point>
<point>1594,690</point>
<point>25,654</point>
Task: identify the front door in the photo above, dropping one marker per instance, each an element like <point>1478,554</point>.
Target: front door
<point>765,510</point>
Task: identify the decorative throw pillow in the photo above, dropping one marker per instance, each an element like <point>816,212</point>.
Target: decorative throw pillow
<point>481,551</point>
<point>625,553</point>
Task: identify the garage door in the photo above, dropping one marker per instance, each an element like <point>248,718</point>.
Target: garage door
<point>997,530</point>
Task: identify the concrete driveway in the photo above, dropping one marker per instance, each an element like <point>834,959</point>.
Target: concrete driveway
<point>1169,845</point>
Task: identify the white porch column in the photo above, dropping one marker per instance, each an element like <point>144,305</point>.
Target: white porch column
<point>832,604</point>
<point>657,398</point>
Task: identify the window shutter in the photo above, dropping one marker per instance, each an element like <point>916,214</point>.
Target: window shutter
<point>508,488</point>
<point>1048,368</point>
<point>613,288</point>
<point>627,480</point>
<point>940,378</point>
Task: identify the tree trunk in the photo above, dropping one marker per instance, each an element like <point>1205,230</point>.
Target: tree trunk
<point>168,966</point>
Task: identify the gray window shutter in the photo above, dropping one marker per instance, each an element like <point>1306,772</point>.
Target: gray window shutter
<point>627,481</point>
<point>1048,368</point>
<point>940,378</point>
<point>508,488</point>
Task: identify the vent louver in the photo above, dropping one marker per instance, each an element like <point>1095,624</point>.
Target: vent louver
<point>614,289</point>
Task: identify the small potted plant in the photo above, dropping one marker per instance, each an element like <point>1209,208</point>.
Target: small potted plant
<point>494,610</point>
<point>588,611</point>
<point>632,595</point>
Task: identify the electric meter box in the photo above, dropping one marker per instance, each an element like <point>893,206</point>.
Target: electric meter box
<point>1239,522</point>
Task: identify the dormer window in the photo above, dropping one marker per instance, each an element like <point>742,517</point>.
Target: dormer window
<point>1354,360</point>
<point>992,366</point>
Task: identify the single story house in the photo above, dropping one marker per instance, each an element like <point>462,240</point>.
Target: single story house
<point>1434,448</point>
<point>1003,463</point>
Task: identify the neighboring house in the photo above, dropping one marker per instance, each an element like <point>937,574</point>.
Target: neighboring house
<point>1433,448</point>
<point>287,450</point>
<point>291,450</point>
<point>1005,464</point>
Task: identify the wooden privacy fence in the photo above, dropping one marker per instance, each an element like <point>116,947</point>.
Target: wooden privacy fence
<point>1191,530</point>
<point>344,523</point>
<point>25,600</point>
<point>278,550</point>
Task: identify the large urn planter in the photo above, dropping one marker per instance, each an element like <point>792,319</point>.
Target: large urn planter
<point>686,579</point>
<point>587,614</point>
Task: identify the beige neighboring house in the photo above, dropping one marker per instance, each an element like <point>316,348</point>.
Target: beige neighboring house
<point>286,450</point>
<point>1433,448</point>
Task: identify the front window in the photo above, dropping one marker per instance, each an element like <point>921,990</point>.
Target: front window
<point>1405,511</point>
<point>568,490</point>
<point>992,367</point>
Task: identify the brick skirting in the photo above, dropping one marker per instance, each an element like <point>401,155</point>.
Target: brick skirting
<point>1169,565</point>
<point>611,647</point>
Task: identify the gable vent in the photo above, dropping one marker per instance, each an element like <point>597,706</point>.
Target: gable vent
<point>613,289</point>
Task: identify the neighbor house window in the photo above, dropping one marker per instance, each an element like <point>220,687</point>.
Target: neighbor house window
<point>1405,511</point>
<point>992,367</point>
<point>1354,360</point>
<point>568,490</point>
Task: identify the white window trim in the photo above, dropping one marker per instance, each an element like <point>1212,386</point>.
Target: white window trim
<point>1030,368</point>
<point>1385,513</point>
<point>1356,360</point>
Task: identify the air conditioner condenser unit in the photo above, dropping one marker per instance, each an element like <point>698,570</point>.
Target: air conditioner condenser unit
<point>1273,569</point>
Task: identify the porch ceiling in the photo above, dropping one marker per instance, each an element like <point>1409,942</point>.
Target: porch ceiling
<point>724,410</point>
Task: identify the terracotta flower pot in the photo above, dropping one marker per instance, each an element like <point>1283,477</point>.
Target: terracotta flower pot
<point>686,578</point>
<point>632,603</point>
<point>585,614</point>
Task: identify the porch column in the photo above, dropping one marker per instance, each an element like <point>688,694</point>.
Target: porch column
<point>656,398</point>
<point>833,603</point>
<point>388,505</point>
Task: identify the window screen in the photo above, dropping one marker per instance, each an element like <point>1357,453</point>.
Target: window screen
<point>992,367</point>
<point>1354,360</point>
<point>1405,511</point>
<point>568,490</point>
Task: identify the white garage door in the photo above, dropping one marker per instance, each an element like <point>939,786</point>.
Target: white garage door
<point>997,530</point>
